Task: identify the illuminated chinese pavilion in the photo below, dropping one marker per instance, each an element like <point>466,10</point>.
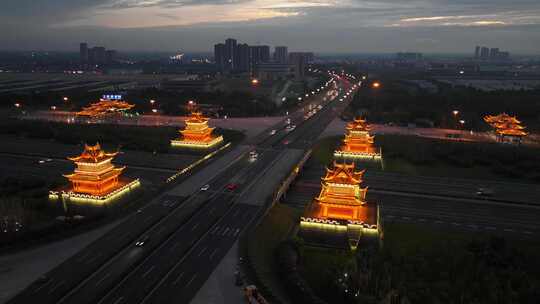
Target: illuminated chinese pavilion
<point>95,179</point>
<point>358,142</point>
<point>506,126</point>
<point>105,107</point>
<point>341,207</point>
<point>197,133</point>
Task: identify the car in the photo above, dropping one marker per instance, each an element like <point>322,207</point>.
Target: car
<point>142,241</point>
<point>484,192</point>
<point>232,186</point>
<point>205,187</point>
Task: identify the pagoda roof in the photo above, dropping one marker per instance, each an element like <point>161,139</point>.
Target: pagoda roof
<point>196,117</point>
<point>358,124</point>
<point>512,132</point>
<point>93,154</point>
<point>501,118</point>
<point>343,174</point>
<point>104,107</point>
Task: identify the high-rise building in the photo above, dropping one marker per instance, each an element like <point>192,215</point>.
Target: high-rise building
<point>299,60</point>
<point>281,54</point>
<point>477,52</point>
<point>258,54</point>
<point>96,55</point>
<point>484,53</point>
<point>110,56</point>
<point>230,48</point>
<point>494,53</point>
<point>83,50</point>
<point>242,57</point>
<point>219,56</point>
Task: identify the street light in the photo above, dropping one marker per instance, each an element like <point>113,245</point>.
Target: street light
<point>152,101</point>
<point>376,85</point>
<point>53,108</point>
<point>455,112</point>
<point>65,98</point>
<point>154,110</point>
<point>254,81</point>
<point>17,105</point>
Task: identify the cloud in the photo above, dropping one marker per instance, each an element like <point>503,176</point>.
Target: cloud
<point>313,24</point>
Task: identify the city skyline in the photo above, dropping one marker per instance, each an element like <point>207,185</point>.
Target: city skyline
<point>339,26</point>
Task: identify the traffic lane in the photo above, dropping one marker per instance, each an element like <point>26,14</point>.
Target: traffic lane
<point>183,282</point>
<point>463,213</point>
<point>152,267</point>
<point>140,282</point>
<point>71,272</point>
<point>102,281</point>
<point>105,279</point>
<point>46,291</point>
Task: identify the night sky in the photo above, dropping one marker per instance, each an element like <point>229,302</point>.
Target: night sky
<point>432,26</point>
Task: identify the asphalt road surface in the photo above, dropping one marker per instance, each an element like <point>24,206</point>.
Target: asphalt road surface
<point>185,237</point>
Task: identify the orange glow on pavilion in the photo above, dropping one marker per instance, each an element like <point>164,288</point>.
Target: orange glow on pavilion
<point>341,196</point>
<point>105,107</point>
<point>96,179</point>
<point>197,133</point>
<point>506,125</point>
<point>342,206</point>
<point>358,143</point>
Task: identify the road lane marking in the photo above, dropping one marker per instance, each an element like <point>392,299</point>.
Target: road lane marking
<point>225,232</point>
<point>148,271</point>
<point>509,230</point>
<point>178,278</point>
<point>55,287</point>
<point>194,226</point>
<point>202,251</point>
<point>213,253</point>
<point>527,232</point>
<point>43,285</point>
<point>191,280</point>
<point>103,278</point>
<point>491,228</point>
<point>118,300</point>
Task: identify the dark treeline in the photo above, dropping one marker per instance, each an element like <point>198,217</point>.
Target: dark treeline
<point>400,103</point>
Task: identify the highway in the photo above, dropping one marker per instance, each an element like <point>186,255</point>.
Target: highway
<point>186,236</point>
<point>513,208</point>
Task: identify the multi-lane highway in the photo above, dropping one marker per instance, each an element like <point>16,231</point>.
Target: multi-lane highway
<point>184,237</point>
<point>512,207</point>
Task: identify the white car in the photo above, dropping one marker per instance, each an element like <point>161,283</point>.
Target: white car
<point>205,187</point>
<point>142,241</point>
